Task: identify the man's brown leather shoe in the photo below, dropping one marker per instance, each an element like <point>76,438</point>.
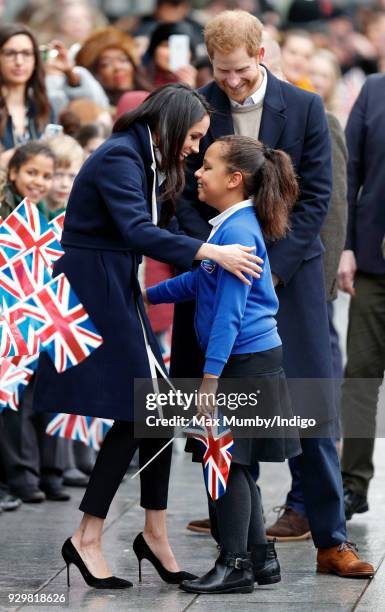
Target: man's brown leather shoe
<point>289,527</point>
<point>200,526</point>
<point>344,561</point>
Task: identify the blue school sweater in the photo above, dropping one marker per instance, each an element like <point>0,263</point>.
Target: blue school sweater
<point>231,318</point>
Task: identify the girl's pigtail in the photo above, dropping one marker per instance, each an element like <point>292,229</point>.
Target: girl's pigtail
<point>275,193</point>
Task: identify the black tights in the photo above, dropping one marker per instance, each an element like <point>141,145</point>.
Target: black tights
<point>236,517</point>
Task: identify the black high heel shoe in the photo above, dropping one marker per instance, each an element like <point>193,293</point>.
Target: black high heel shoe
<point>143,551</point>
<point>71,555</point>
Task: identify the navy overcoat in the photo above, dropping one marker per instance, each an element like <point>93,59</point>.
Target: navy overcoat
<point>292,120</point>
<point>365,137</point>
<point>108,226</point>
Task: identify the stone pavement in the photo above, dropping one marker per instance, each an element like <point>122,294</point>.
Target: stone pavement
<point>30,560</point>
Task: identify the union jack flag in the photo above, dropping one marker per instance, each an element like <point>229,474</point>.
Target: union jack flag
<point>61,324</point>
<point>89,430</point>
<point>17,336</point>
<point>57,225</point>
<point>218,444</point>
<point>70,426</point>
<point>11,376</point>
<point>22,277</point>
<point>28,366</point>
<point>25,228</point>
<point>97,432</point>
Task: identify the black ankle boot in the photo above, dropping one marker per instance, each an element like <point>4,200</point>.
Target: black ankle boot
<point>265,563</point>
<point>232,573</point>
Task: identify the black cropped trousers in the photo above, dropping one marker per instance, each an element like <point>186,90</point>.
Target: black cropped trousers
<point>112,463</point>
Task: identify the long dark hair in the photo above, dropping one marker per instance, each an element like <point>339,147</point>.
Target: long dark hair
<point>269,179</point>
<point>170,111</point>
<point>36,84</point>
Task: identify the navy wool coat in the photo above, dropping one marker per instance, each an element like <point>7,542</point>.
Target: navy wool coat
<point>292,120</point>
<point>108,226</point>
<point>365,137</point>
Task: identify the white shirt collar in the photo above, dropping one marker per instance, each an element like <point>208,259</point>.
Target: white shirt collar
<point>217,221</point>
<point>258,96</point>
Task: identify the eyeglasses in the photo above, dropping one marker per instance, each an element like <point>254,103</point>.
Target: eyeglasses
<point>110,62</point>
<point>10,55</point>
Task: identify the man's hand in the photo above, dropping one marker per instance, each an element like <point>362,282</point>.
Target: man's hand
<point>346,272</point>
<point>206,395</point>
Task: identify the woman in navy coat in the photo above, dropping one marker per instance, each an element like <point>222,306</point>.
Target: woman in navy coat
<point>111,221</point>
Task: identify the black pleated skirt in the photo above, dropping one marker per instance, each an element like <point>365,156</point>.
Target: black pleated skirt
<point>257,375</point>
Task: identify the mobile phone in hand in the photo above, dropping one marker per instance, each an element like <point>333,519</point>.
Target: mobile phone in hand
<point>179,50</point>
<point>48,54</point>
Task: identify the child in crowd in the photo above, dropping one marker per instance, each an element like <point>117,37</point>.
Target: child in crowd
<point>91,136</point>
<point>69,158</point>
<point>69,155</point>
<point>33,460</point>
<point>253,188</point>
<point>29,175</point>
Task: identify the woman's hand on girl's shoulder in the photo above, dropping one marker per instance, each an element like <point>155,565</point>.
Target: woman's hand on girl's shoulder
<point>235,258</point>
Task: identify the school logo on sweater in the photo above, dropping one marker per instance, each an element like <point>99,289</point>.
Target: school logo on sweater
<point>208,265</point>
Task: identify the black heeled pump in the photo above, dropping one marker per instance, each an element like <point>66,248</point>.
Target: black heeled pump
<point>71,555</point>
<point>143,551</point>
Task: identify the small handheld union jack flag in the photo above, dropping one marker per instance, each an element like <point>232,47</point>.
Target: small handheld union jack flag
<point>17,336</point>
<point>23,276</point>
<point>57,225</point>
<point>217,442</point>
<point>70,426</point>
<point>10,377</point>
<point>26,228</point>
<point>89,430</point>
<point>97,432</point>
<point>62,324</point>
<point>26,366</point>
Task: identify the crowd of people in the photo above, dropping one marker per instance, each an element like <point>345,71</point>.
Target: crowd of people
<point>307,81</point>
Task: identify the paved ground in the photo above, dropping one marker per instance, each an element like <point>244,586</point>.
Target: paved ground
<point>30,560</point>
<point>30,542</point>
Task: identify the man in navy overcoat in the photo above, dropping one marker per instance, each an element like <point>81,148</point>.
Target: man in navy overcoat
<point>362,274</point>
<point>292,120</point>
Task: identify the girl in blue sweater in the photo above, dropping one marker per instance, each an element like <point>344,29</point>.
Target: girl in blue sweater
<point>253,188</point>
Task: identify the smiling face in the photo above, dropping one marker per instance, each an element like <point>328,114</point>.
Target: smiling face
<point>296,55</point>
<point>115,70</point>
<point>17,60</point>
<point>33,180</point>
<point>236,73</point>
<point>216,185</point>
<point>194,136</point>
